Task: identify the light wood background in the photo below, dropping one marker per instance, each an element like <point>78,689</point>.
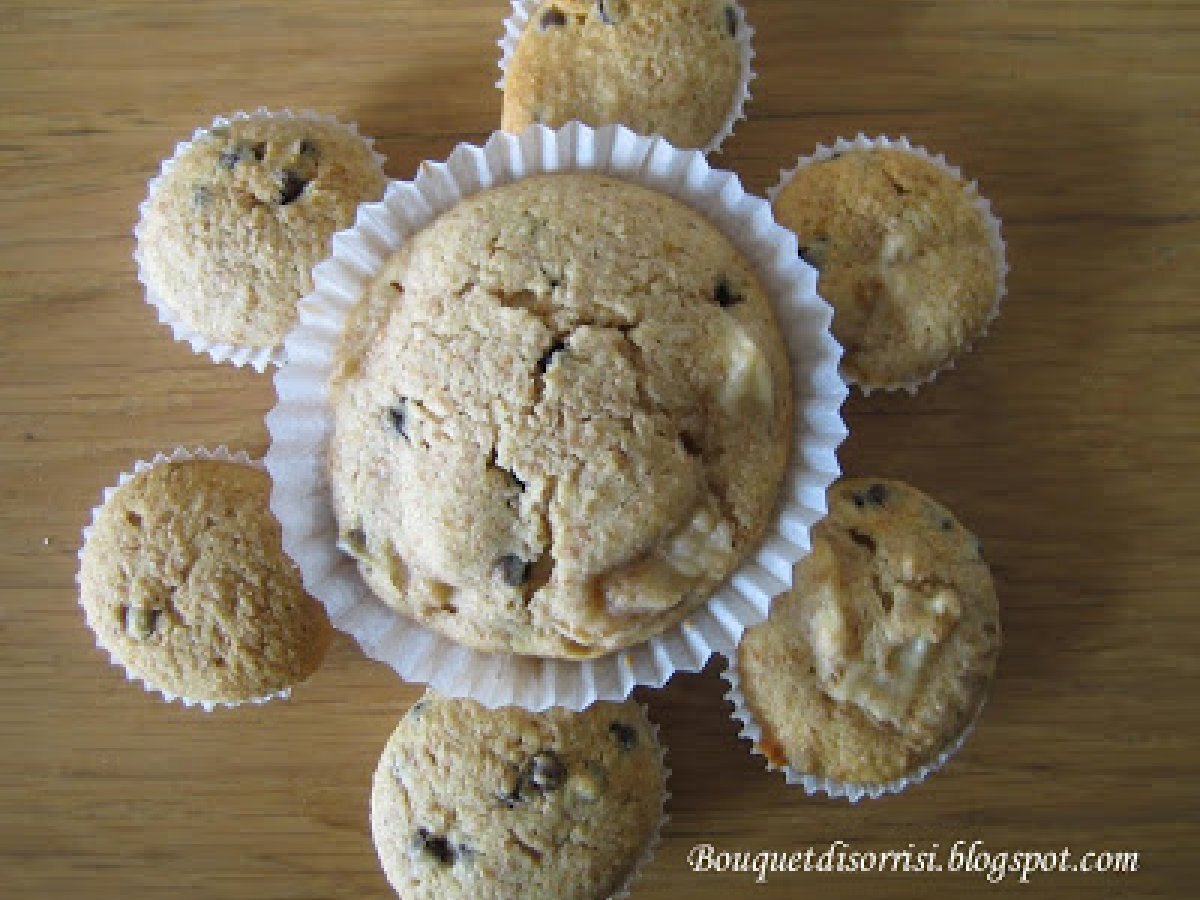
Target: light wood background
<point>1068,440</point>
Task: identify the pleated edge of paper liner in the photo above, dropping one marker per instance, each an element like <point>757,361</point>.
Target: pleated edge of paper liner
<point>257,358</point>
<point>991,223</point>
<point>523,10</point>
<point>299,426</point>
<point>179,454</point>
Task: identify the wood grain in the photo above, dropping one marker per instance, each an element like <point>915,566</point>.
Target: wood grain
<point>1068,440</point>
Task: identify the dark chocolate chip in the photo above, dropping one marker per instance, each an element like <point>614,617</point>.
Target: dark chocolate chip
<point>731,21</point>
<point>309,148</point>
<point>605,15</point>
<point>259,150</point>
<point>947,525</point>
<point>625,736</point>
<point>862,539</point>
<point>293,186</point>
<point>724,295</point>
<point>552,18</point>
<point>434,845</point>
<point>513,570</point>
<point>877,494</point>
<point>544,773</point>
<point>691,445</point>
<point>398,416</point>
<point>544,363</point>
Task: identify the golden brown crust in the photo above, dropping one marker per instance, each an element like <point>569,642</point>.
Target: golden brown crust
<point>669,67</point>
<point>184,581</point>
<point>881,653</point>
<point>474,803</point>
<point>561,418</point>
<point>904,255</point>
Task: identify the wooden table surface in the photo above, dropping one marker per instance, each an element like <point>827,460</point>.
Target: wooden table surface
<point>1068,440</point>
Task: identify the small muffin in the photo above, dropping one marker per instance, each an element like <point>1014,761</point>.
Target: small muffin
<point>561,417</point>
<point>669,67</point>
<point>905,255</point>
<point>879,657</point>
<point>235,223</point>
<point>475,803</point>
<point>185,583</point>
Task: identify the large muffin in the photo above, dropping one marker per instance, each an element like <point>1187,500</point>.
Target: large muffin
<point>185,583</point>
<point>232,229</point>
<point>470,803</point>
<point>669,67</point>
<point>561,416</point>
<point>880,655</point>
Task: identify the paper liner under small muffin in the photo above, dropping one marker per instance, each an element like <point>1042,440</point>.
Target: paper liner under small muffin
<point>981,203</point>
<point>300,422</point>
<point>523,11</point>
<point>831,787</point>
<point>257,358</point>
<point>179,454</point>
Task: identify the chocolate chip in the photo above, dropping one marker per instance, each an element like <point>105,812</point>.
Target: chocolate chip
<point>513,570</point>
<point>552,18</point>
<point>544,363</point>
<point>259,150</point>
<point>434,845</point>
<point>731,21</point>
<point>398,416</point>
<point>625,736</point>
<point>947,525</point>
<point>605,15</point>
<point>691,445</point>
<point>545,772</point>
<point>293,186</point>
<point>309,148</point>
<point>725,296</point>
<point>877,494</point>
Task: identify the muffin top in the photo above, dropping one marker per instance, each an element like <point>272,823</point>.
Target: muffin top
<point>905,259</point>
<point>185,583</point>
<point>231,231</point>
<point>880,655</point>
<point>560,418</point>
<point>669,67</point>
<point>474,803</point>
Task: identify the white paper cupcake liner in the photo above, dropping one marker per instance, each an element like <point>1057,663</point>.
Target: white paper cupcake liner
<point>300,422</point>
<point>179,454</point>
<point>523,11</point>
<point>257,358</point>
<point>814,785</point>
<point>991,222</point>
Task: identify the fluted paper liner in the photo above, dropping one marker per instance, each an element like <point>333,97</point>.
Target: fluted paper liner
<point>831,787</point>
<point>179,454</point>
<point>300,422</point>
<point>257,358</point>
<point>991,223</point>
<point>523,11</point>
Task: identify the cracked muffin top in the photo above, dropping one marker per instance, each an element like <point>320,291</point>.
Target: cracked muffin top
<point>561,416</point>
<point>905,257</point>
<point>231,231</point>
<point>185,583</point>
<point>880,655</point>
<point>669,67</point>
<point>470,802</point>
